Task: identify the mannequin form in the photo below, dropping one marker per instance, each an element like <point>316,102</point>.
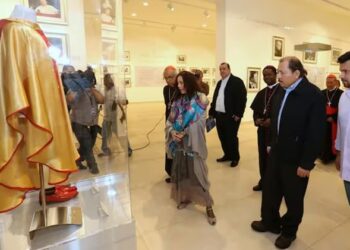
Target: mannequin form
<point>22,12</point>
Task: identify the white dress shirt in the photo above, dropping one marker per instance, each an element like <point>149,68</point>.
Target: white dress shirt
<point>220,100</point>
<point>342,142</point>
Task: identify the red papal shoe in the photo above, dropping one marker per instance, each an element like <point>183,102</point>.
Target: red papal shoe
<point>59,196</point>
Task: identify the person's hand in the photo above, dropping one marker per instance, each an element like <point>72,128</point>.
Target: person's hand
<point>268,149</point>
<point>236,118</point>
<point>259,121</point>
<point>266,123</point>
<point>303,172</point>
<point>329,119</point>
<point>177,136</point>
<point>337,161</point>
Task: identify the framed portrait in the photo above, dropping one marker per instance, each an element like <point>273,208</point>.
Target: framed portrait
<point>127,82</point>
<point>310,56</point>
<point>109,51</point>
<point>125,70</point>
<point>180,69</point>
<point>49,11</point>
<point>181,59</point>
<point>335,53</point>
<point>58,47</point>
<point>206,72</point>
<point>126,56</point>
<point>277,47</point>
<point>253,79</point>
<point>109,14</point>
<point>193,70</point>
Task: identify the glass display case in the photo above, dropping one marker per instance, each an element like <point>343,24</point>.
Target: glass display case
<point>65,114</point>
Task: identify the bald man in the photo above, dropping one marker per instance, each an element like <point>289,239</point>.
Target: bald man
<point>332,94</point>
<point>169,92</point>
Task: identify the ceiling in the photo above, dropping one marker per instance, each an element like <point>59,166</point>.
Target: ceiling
<point>197,15</point>
<point>191,14</point>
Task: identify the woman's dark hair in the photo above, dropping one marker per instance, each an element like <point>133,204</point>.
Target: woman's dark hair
<point>190,83</point>
<point>295,64</point>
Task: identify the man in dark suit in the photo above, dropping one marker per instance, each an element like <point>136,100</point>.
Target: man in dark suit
<point>227,108</point>
<point>297,129</point>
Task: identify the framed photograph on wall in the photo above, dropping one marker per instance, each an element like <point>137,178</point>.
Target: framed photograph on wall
<point>253,79</point>
<point>109,51</point>
<point>310,57</point>
<point>193,69</point>
<point>126,56</point>
<point>58,47</point>
<point>49,11</point>
<point>181,59</point>
<point>109,14</point>
<point>277,47</point>
<point>179,69</point>
<point>206,72</point>
<point>127,82</point>
<point>335,53</point>
<point>125,70</point>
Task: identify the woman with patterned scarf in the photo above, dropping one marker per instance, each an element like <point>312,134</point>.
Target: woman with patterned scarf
<point>185,139</point>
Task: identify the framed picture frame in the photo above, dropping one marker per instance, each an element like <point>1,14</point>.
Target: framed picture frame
<point>253,79</point>
<point>109,14</point>
<point>127,82</point>
<point>125,70</point>
<point>181,59</point>
<point>206,72</point>
<point>109,52</point>
<point>179,69</point>
<point>193,69</point>
<point>126,56</point>
<point>277,47</point>
<point>49,11</point>
<point>335,53</point>
<point>310,57</point>
<point>58,47</point>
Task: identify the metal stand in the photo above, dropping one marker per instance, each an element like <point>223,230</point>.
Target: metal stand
<point>52,216</point>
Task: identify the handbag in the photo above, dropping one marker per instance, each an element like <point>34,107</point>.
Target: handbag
<point>210,123</point>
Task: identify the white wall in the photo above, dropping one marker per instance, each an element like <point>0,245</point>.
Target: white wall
<point>248,40</point>
<point>156,48</point>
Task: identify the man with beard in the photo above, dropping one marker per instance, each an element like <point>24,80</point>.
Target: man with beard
<point>342,143</point>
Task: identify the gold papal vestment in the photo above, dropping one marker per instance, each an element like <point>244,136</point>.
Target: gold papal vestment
<point>34,123</point>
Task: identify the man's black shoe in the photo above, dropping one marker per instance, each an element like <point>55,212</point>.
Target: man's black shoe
<point>257,188</point>
<point>234,164</point>
<point>283,242</point>
<point>222,159</point>
<point>258,226</point>
<point>168,180</point>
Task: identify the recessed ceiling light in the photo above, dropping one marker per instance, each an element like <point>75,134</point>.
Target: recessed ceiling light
<point>171,6</point>
<point>145,3</point>
<point>288,27</point>
<point>204,25</point>
<point>133,14</point>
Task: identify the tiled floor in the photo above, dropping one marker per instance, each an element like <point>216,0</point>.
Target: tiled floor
<point>160,226</point>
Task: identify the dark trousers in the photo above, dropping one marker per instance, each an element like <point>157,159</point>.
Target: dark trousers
<point>87,138</point>
<point>262,149</point>
<point>227,129</point>
<point>327,152</point>
<point>281,181</point>
<point>168,164</point>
